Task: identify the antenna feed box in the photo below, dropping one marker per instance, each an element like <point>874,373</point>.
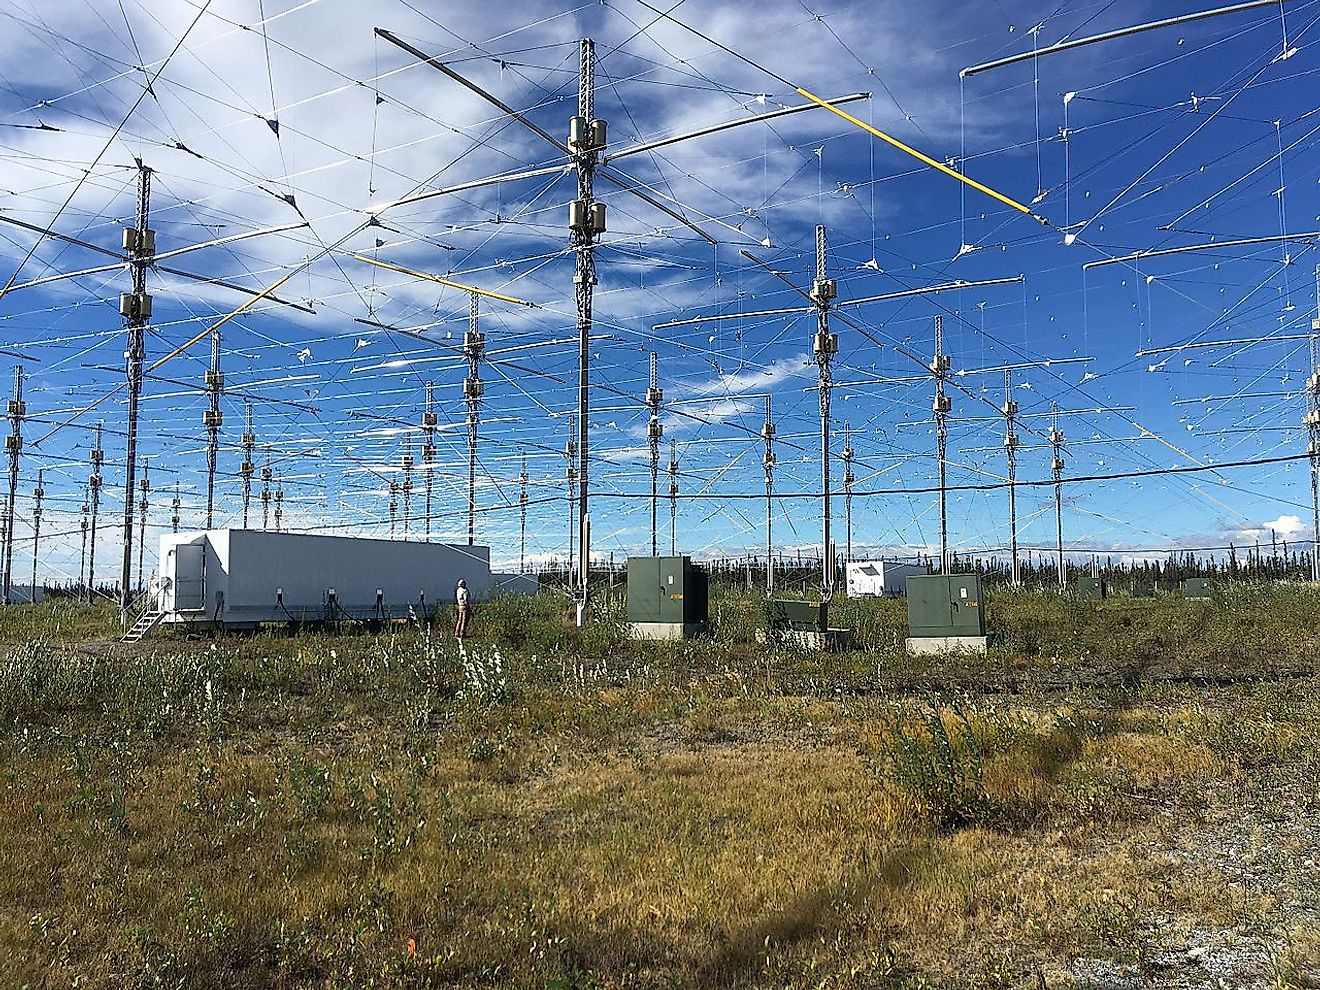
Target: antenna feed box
<point>946,614</point>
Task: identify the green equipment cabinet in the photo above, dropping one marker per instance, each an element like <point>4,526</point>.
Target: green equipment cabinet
<point>783,614</point>
<point>1091,589</point>
<point>946,614</point>
<point>1196,588</point>
<point>667,597</point>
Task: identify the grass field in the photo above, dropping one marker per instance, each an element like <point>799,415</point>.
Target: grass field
<point>1123,794</point>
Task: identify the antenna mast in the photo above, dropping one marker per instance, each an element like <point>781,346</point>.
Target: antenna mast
<point>407,487</point>
<point>522,522</point>
<point>145,485</point>
<point>135,307</point>
<point>13,445</point>
<point>1010,409</point>
<point>654,431</point>
<point>586,219</point>
<point>848,479</point>
<point>673,498</point>
<point>94,482</point>
<point>428,450</point>
<point>213,418</point>
<point>175,505</point>
<point>1312,420</point>
<point>939,367</point>
<point>1056,442</point>
<point>82,553</point>
<point>265,492</point>
<point>247,468</point>
<point>474,346</point>
<point>768,462</point>
<point>38,495</point>
<point>824,346</point>
<point>570,453</point>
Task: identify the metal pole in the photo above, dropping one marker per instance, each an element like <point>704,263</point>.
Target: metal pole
<point>145,485</point>
<point>1056,442</point>
<point>939,368</point>
<point>848,479</point>
<point>586,219</point>
<point>768,461</point>
<point>1010,408</point>
<point>247,468</point>
<point>265,493</point>
<point>824,346</point>
<point>394,505</point>
<point>570,473</point>
<point>212,419</point>
<point>135,307</point>
<point>428,450</point>
<point>522,522</point>
<point>279,506</point>
<point>1312,420</point>
<point>407,487</point>
<point>13,444</point>
<point>474,345</point>
<point>673,499</point>
<point>82,553</point>
<point>175,505</point>
<point>94,482</point>
<point>654,430</point>
<point>37,495</point>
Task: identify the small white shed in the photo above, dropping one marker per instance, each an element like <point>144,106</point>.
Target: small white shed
<point>880,578</point>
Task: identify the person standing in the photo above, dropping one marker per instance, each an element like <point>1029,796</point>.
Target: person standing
<point>462,600</point>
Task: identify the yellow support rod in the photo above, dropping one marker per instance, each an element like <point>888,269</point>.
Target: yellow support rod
<point>444,281</point>
<point>923,158</point>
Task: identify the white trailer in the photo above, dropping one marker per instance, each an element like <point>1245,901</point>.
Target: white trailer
<point>240,577</point>
<point>880,578</point>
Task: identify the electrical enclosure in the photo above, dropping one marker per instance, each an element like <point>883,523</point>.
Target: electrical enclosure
<point>1196,588</point>
<point>941,606</point>
<point>1090,589</point>
<point>667,597</point>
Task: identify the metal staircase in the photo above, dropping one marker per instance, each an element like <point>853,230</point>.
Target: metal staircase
<point>146,622</point>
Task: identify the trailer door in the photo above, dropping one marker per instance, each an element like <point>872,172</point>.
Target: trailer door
<point>189,577</point>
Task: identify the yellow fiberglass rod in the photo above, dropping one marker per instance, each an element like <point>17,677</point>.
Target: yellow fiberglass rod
<point>443,281</point>
<point>919,156</point>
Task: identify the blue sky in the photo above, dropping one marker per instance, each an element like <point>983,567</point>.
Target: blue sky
<point>1172,138</point>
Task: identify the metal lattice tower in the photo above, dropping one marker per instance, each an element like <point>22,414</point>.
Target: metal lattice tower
<point>654,431</point>
<point>474,347</point>
<point>94,483</point>
<point>522,513</point>
<point>145,486</point>
<point>939,367</point>
<point>247,468</point>
<point>768,462</point>
<point>38,495</point>
<point>1312,420</point>
<point>848,479</point>
<point>428,450</point>
<point>213,418</point>
<point>266,475</point>
<point>824,346</point>
<point>135,307</point>
<point>17,410</point>
<point>175,505</point>
<point>586,219</point>
<point>407,463</point>
<point>279,505</point>
<point>1010,410</point>
<point>673,498</point>
<point>570,475</point>
<point>82,553</point>
<point>1056,466</point>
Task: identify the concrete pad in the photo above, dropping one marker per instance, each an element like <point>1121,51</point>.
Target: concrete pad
<point>925,646</point>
